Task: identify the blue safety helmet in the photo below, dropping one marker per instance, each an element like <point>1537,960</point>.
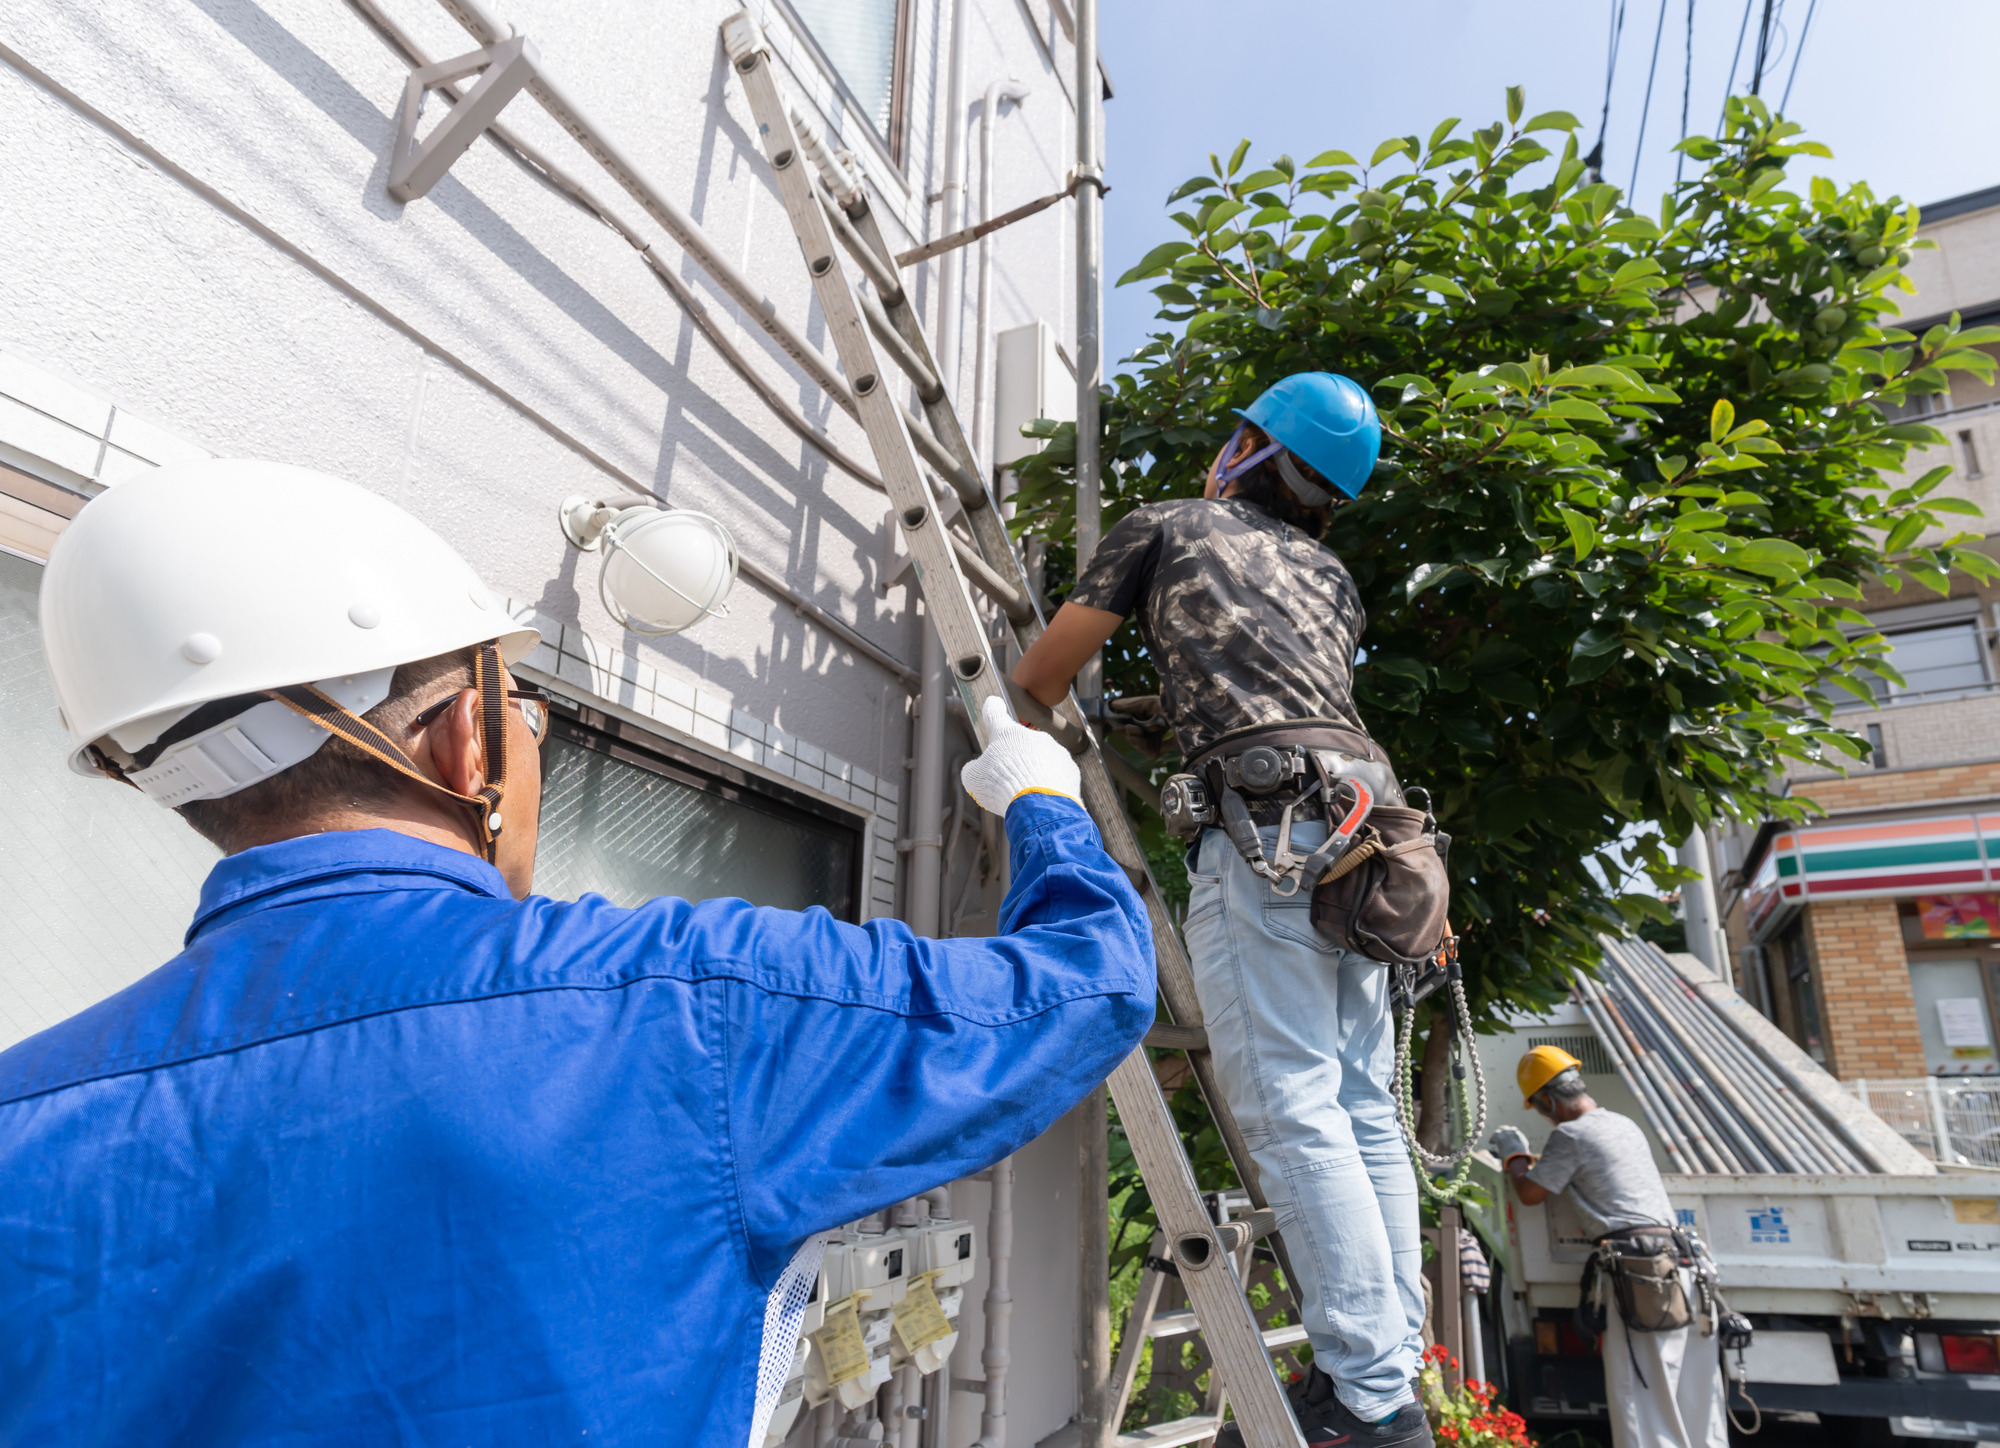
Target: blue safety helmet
<point>1325,420</point>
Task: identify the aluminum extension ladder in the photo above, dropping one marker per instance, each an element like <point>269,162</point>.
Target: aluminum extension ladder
<point>829,212</point>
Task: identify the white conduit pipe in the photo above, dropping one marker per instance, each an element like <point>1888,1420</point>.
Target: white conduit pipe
<point>982,368</point>
<point>951,266</point>
<point>995,1357</point>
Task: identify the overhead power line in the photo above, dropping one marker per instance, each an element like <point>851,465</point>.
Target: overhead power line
<point>1742,30</point>
<point>1763,50</point>
<point>1639,146</point>
<point>1595,160</point>
<point>1798,51</point>
<point>1687,82</point>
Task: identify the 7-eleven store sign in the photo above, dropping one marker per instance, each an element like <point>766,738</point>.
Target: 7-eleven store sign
<point>1947,854</point>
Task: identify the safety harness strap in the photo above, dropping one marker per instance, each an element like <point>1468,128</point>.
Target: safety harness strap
<point>485,805</point>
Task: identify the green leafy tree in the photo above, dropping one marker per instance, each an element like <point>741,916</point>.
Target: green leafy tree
<point>1637,469</point>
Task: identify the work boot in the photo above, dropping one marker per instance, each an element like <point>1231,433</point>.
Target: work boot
<point>1327,1423</point>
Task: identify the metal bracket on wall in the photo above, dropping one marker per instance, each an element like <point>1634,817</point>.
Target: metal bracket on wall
<point>505,69</point>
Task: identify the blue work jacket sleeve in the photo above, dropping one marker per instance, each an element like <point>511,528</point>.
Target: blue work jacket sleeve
<point>873,1065</point>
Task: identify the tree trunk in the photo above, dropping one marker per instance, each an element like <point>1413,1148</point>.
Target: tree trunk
<point>1437,1081</point>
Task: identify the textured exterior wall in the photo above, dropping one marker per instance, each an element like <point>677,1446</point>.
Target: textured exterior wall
<point>484,352</point>
<point>1867,1016</point>
<point>1883,788</point>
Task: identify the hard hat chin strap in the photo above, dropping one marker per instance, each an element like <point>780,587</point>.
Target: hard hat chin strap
<point>488,678</point>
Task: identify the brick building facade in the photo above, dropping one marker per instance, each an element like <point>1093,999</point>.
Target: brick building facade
<point>1871,934</point>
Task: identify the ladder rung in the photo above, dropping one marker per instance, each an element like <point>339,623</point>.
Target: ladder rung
<point>1174,1324</point>
<point>1171,1435</point>
<point>900,352</point>
<point>886,281</point>
<point>935,453</point>
<point>1177,1038</point>
<point>977,570</point>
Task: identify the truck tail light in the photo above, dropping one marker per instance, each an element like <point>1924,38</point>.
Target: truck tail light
<point>1561,1339</point>
<point>1970,1354</point>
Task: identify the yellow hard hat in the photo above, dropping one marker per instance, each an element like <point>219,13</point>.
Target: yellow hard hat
<point>1541,1066</point>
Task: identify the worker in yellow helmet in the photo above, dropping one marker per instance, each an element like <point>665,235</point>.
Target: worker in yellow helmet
<point>1662,1384</point>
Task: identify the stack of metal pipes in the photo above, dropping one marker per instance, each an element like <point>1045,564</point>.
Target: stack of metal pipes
<point>1716,1104</point>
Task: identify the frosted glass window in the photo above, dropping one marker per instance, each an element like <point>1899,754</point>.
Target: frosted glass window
<point>100,882</point>
<point>858,39</point>
<point>630,827</point>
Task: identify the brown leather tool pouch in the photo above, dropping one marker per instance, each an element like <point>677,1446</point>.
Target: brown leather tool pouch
<point>1646,1281</point>
<point>1388,897</point>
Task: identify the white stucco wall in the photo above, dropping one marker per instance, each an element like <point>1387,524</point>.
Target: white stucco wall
<point>199,230</point>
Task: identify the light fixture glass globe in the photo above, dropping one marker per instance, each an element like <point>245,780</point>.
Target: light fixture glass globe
<point>665,569</point>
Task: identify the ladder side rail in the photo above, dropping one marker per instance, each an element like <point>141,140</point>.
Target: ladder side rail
<point>1175,974</point>
<point>969,654</point>
<point>1138,1328</point>
<point>1229,1328</point>
<point>1234,1340</point>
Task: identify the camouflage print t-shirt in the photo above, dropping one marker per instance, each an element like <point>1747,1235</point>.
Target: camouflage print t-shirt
<point>1248,620</point>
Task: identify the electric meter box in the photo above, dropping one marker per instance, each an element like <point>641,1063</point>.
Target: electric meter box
<point>882,1265</point>
<point>950,1249</point>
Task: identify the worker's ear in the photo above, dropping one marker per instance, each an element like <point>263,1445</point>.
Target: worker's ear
<point>456,745</point>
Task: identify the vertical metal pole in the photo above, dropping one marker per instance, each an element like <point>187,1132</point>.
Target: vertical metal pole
<point>1450,1323</point>
<point>1938,1123</point>
<point>951,266</point>
<point>921,910</point>
<point>1089,341</point>
<point>995,1357</point>
<point>1094,1280</point>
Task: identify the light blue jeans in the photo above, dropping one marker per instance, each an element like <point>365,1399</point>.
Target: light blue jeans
<point>1304,1048</point>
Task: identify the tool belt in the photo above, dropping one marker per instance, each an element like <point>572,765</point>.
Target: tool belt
<point>1641,1266</point>
<point>1378,881</point>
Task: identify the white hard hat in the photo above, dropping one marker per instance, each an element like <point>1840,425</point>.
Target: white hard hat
<point>208,581</point>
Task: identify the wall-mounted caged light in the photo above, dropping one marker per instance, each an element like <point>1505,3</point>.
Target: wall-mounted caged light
<point>664,568</point>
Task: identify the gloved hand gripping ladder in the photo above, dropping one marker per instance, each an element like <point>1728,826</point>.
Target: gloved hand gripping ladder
<point>839,215</point>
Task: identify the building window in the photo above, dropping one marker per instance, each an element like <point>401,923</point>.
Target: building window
<point>1971,450</point>
<point>865,44</point>
<point>1796,959</point>
<point>1941,661</point>
<point>629,816</point>
<point>101,882</point>
<point>1878,751</point>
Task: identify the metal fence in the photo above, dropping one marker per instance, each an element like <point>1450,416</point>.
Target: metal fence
<point>1955,1123</point>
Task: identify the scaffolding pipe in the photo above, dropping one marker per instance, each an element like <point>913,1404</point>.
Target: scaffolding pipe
<point>1698,1152</point>
<point>1671,1137</point>
<point>951,269</point>
<point>1709,1075</point>
<point>1781,1114</point>
<point>1726,1134</point>
<point>1690,1118</point>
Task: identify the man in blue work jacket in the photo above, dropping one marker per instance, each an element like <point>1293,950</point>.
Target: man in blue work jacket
<point>397,1152</point>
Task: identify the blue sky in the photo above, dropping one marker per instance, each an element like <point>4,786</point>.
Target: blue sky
<point>1904,94</point>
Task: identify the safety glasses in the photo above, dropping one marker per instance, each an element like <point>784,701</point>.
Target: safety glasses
<point>533,704</point>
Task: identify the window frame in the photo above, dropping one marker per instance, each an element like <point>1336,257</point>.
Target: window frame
<point>591,728</point>
<point>893,145</point>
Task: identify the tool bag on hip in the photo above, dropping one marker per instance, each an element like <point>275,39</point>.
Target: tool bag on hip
<point>1645,1273</point>
<point>1388,896</point>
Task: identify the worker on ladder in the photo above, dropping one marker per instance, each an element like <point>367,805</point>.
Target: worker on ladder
<point>1252,624</point>
<point>1662,1382</point>
<point>397,1151</point>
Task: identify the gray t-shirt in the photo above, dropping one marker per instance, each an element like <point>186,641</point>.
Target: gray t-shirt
<point>1601,1163</point>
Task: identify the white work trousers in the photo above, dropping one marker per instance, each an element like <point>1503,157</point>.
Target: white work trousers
<point>1680,1405</point>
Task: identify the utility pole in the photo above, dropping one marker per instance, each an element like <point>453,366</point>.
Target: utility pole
<point>1093,1154</point>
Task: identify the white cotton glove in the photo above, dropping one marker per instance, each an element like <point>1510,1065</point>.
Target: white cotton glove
<point>1017,759</point>
<point>1509,1141</point>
